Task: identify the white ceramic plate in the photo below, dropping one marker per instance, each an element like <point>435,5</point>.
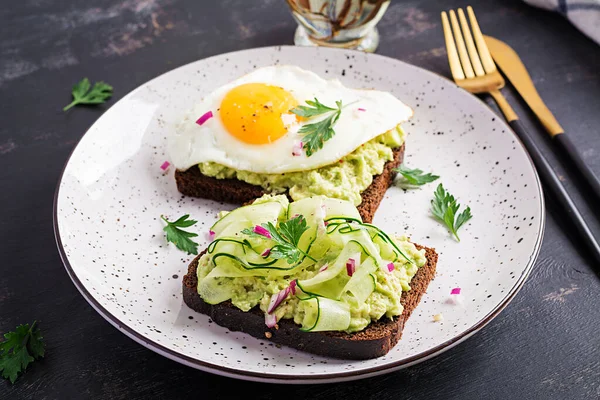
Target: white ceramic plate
<point>112,193</point>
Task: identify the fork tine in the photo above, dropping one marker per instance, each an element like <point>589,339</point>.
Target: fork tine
<point>455,68</point>
<point>460,44</point>
<point>484,54</point>
<point>470,44</point>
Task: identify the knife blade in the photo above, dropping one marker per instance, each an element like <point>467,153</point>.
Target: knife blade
<point>512,66</point>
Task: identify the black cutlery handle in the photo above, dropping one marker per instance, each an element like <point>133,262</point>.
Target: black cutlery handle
<point>556,190</point>
<point>567,147</point>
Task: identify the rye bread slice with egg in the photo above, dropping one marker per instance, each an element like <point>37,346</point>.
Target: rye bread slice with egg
<point>193,183</point>
<point>374,341</point>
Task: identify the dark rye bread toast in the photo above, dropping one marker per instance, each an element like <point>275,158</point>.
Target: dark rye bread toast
<point>374,341</point>
<point>193,183</point>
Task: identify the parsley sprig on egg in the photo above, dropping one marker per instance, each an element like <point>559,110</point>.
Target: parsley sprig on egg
<point>319,132</point>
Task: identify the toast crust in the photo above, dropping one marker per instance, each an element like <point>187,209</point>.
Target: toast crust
<point>374,341</point>
<point>192,182</point>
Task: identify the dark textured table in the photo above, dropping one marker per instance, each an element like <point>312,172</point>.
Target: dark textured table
<point>546,344</point>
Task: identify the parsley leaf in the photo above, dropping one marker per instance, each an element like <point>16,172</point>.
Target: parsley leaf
<point>293,229</point>
<point>83,95</point>
<point>318,133</point>
<point>316,108</point>
<point>287,236</point>
<point>445,207</point>
<point>179,237</point>
<point>19,349</point>
<point>415,176</point>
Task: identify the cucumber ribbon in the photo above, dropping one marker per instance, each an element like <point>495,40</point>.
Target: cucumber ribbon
<point>349,253</point>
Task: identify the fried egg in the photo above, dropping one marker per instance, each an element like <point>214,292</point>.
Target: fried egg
<point>253,129</point>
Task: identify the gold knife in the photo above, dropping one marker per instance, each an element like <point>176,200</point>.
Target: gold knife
<point>512,66</point>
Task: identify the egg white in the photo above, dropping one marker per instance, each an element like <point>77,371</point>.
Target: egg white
<point>192,144</point>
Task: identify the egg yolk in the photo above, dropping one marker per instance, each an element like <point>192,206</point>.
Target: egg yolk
<point>252,112</point>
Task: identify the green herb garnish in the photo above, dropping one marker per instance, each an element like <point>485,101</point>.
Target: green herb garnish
<point>180,238</point>
<point>287,236</point>
<point>318,133</point>
<point>445,207</point>
<point>83,95</point>
<point>316,108</point>
<point>19,349</point>
<point>415,176</point>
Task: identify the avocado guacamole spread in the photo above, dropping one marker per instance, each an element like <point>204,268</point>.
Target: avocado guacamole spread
<point>327,294</point>
<point>345,179</point>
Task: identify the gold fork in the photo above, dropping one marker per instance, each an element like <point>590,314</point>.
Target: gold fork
<point>474,70</point>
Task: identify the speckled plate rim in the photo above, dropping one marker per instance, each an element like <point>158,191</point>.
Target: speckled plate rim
<point>293,378</point>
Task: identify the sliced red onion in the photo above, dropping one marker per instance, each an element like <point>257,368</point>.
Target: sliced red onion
<point>211,236</point>
<point>390,267</point>
<point>297,149</point>
<point>321,213</point>
<point>204,118</point>
<point>262,231</point>
<point>361,109</point>
<point>323,268</point>
<point>165,165</point>
<point>266,253</point>
<point>455,297</point>
<point>270,320</point>
<point>277,298</point>
<point>350,266</point>
<point>293,286</point>
<point>326,223</point>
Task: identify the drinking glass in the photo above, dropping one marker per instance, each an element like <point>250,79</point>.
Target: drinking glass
<point>347,24</point>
